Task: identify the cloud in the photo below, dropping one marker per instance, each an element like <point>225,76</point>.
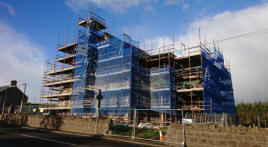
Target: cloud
<point>185,6</point>
<point>174,2</point>
<point>114,5</point>
<point>248,56</point>
<point>9,8</point>
<point>157,42</point>
<point>182,3</point>
<point>20,60</point>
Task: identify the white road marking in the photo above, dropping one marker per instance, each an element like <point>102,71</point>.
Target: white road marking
<point>47,139</point>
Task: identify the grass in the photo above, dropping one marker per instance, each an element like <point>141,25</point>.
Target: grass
<point>125,130</point>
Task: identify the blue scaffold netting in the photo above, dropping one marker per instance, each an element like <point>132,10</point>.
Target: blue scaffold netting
<point>217,83</point>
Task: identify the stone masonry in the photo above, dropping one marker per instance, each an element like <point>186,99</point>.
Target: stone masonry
<point>214,136</point>
<point>61,123</point>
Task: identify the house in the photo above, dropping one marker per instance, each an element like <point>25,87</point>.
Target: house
<point>11,98</point>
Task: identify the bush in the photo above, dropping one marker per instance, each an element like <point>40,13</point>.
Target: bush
<point>247,114</point>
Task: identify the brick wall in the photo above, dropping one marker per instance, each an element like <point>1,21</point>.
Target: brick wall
<point>62,123</point>
<point>212,136</point>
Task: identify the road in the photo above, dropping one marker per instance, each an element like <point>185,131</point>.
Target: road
<point>18,137</point>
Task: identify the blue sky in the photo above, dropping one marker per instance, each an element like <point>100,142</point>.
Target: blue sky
<point>41,21</point>
<point>34,26</point>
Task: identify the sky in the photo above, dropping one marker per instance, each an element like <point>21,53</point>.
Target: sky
<point>30,31</point>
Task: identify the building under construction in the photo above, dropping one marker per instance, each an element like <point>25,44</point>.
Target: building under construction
<point>193,79</point>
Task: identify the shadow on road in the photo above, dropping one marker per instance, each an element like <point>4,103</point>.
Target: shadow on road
<point>13,136</point>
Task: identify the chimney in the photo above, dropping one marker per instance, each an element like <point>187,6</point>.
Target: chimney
<point>13,83</point>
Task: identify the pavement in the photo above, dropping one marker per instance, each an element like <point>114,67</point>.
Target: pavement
<point>19,137</point>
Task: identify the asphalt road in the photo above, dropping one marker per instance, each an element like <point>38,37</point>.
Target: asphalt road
<point>19,137</point>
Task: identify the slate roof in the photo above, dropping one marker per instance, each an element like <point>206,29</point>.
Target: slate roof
<point>2,88</point>
<point>13,93</point>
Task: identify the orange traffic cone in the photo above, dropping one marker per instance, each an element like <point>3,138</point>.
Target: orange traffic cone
<point>161,135</point>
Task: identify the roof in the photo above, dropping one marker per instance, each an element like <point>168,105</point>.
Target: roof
<point>2,88</point>
<point>12,94</point>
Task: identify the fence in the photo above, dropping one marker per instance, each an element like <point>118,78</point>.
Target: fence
<point>142,124</point>
<point>209,118</point>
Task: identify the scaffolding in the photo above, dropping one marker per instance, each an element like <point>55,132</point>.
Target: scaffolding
<point>217,82</point>
<point>189,80</point>
<point>58,76</point>
<point>89,33</point>
<point>194,79</point>
<point>160,62</point>
<point>111,64</point>
<point>204,80</point>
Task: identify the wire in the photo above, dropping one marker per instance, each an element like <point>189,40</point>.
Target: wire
<point>242,36</point>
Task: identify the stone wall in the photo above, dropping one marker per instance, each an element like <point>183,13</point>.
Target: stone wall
<point>212,136</point>
<point>196,136</point>
<point>62,123</point>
